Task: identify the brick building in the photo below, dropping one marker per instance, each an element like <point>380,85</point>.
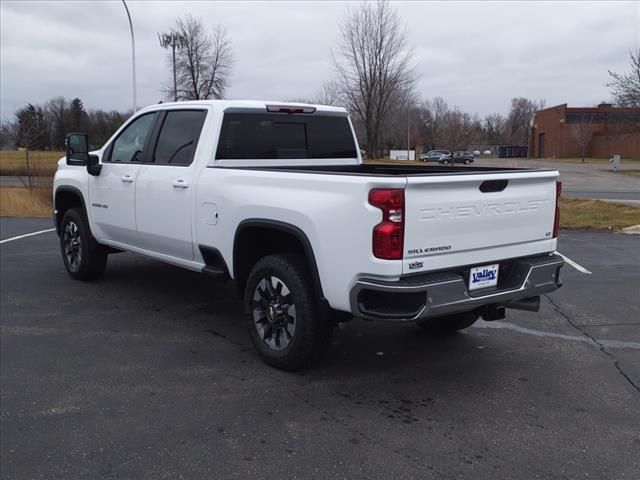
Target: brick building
<point>561,132</point>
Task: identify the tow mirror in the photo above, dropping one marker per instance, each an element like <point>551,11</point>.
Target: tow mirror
<point>77,149</point>
<point>78,153</point>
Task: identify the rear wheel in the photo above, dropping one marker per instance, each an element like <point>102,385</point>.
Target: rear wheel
<point>449,324</point>
<point>83,257</point>
<point>285,322</point>
<point>467,162</point>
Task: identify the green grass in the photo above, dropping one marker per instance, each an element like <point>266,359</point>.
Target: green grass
<point>14,163</point>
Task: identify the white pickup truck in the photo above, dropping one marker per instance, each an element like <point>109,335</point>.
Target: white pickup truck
<point>275,196</point>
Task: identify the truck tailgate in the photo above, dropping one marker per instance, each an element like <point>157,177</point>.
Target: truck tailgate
<point>466,219</point>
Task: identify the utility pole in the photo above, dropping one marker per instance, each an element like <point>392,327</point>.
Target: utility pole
<point>408,131</point>
<point>133,57</point>
<point>172,40</point>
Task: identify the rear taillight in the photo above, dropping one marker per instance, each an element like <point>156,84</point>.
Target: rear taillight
<point>388,235</point>
<point>556,221</point>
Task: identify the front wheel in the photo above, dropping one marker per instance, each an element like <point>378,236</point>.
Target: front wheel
<point>449,324</point>
<point>83,257</point>
<point>467,162</point>
<point>285,322</point>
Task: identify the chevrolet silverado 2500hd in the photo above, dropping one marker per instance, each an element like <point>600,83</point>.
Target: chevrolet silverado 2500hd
<point>275,196</point>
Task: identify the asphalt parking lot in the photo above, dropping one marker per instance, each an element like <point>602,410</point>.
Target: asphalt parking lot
<point>149,373</point>
<point>584,180</point>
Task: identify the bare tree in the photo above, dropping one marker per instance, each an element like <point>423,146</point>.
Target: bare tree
<point>32,134</point>
<point>582,131</point>
<point>374,66</point>
<point>203,65</point>
<point>625,87</point>
<point>495,126</point>
<point>457,129</point>
<point>329,94</point>
<point>431,113</point>
<point>56,113</point>
<point>8,134</point>
<point>520,119</point>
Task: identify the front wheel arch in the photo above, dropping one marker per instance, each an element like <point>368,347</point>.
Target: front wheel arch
<point>65,199</point>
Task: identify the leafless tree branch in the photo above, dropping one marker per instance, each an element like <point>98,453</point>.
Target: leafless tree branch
<point>204,63</point>
<point>626,86</point>
<point>374,68</point>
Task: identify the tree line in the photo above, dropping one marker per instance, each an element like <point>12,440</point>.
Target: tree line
<point>374,77</point>
<point>44,127</point>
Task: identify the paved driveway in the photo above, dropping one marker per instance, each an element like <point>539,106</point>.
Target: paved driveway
<point>148,373</point>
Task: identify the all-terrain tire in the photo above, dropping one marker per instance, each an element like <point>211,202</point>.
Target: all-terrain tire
<point>285,321</point>
<point>83,257</point>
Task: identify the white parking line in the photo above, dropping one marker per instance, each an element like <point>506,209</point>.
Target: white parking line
<point>575,265</point>
<point>26,235</point>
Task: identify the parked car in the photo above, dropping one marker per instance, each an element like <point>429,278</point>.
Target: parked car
<point>435,155</point>
<point>275,197</point>
<point>465,157</point>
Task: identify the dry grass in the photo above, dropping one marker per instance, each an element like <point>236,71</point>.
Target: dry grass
<point>586,160</point>
<point>595,214</point>
<point>633,173</point>
<point>42,164</point>
<point>20,202</point>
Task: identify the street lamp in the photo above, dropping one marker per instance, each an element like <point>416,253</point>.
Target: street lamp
<point>133,57</point>
<point>409,132</point>
<point>172,40</point>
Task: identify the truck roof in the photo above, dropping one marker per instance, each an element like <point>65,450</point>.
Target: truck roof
<point>224,104</point>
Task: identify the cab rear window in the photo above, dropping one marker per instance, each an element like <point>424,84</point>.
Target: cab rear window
<point>252,136</point>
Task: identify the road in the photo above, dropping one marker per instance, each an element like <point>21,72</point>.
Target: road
<point>584,180</point>
<point>149,374</point>
<point>7,181</point>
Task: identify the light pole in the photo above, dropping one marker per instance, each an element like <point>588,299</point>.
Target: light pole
<point>172,40</point>
<point>408,131</point>
<point>133,57</point>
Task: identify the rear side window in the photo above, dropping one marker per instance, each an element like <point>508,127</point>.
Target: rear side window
<point>178,137</point>
<point>253,136</point>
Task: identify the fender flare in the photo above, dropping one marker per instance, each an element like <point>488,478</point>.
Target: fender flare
<point>287,228</point>
<point>56,214</point>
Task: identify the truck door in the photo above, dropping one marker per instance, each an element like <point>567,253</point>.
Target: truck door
<point>112,193</point>
<point>165,190</point>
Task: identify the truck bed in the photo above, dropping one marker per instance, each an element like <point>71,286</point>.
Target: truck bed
<point>382,170</point>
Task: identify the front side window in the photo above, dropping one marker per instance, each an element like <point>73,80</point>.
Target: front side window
<point>178,137</point>
<point>254,136</point>
<point>128,146</point>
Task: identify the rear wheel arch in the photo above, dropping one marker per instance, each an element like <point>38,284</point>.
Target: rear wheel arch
<point>257,238</point>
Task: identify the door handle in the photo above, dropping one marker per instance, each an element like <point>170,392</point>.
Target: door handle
<point>127,179</point>
<point>180,183</point>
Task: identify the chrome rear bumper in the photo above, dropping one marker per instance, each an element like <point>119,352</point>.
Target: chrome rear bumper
<point>443,293</point>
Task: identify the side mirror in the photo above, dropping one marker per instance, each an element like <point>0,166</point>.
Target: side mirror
<point>77,149</point>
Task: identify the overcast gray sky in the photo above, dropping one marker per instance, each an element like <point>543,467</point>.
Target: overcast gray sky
<point>477,55</point>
